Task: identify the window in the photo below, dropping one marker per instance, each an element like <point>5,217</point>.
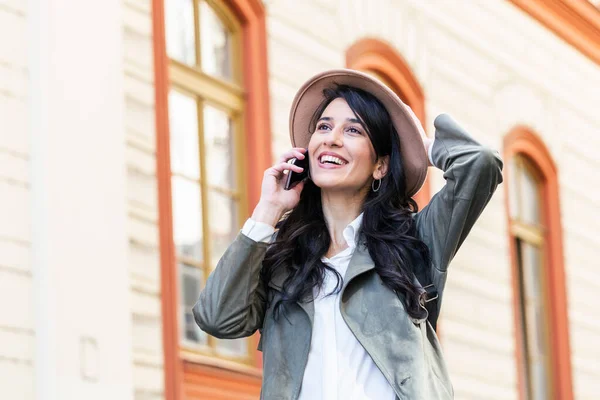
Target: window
<point>533,211</point>
<point>209,113</point>
<point>375,73</point>
<point>527,234</point>
<point>206,107</point>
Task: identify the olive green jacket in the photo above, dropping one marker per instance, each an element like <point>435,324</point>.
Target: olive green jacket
<point>234,302</point>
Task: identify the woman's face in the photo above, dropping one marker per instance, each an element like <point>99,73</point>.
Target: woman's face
<point>340,151</point>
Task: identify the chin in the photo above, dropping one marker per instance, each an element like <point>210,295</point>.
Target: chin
<point>322,185</point>
<point>328,185</point>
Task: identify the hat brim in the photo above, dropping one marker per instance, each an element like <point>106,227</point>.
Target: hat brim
<point>408,126</point>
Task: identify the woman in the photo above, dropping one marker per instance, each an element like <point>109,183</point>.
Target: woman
<point>338,292</point>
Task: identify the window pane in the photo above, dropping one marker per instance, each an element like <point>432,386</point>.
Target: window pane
<point>187,218</point>
<point>223,224</point>
<point>218,140</point>
<point>530,198</point>
<point>215,42</point>
<point>536,324</point>
<point>513,190</point>
<point>532,271</point>
<point>535,331</point>
<point>183,126</point>
<point>232,348</point>
<point>539,380</point>
<point>534,299</point>
<point>191,283</point>
<point>179,15</point>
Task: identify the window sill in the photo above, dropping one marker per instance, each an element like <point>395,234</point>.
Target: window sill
<point>232,366</point>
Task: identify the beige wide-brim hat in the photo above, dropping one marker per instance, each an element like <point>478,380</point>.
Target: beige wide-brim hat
<point>408,126</point>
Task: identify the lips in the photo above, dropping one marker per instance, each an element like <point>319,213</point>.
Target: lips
<point>329,165</point>
<point>328,157</point>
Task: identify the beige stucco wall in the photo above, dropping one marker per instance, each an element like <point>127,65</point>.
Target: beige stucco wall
<point>491,67</point>
<point>79,258</point>
<point>16,319</point>
<point>46,328</point>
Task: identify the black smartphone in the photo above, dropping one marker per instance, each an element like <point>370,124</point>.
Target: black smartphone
<point>293,178</point>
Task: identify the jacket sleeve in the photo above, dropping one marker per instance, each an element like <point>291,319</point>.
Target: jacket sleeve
<point>472,173</point>
<point>233,302</point>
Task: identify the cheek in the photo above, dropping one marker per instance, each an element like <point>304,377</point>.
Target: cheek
<point>311,145</point>
<point>312,148</point>
<point>314,143</point>
<point>364,158</point>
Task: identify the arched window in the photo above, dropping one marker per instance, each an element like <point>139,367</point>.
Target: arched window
<point>382,61</point>
<point>537,267</point>
<point>212,110</point>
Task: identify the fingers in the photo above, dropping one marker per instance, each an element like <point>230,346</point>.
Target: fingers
<point>297,152</point>
<point>278,169</point>
<point>285,165</point>
<point>282,166</point>
<point>300,185</point>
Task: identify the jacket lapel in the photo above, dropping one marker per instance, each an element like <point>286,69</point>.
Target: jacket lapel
<point>308,306</point>
<point>360,262</point>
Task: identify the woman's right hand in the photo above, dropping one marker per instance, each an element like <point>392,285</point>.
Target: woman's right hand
<point>274,199</point>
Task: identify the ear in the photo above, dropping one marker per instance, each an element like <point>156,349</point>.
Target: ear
<point>381,168</point>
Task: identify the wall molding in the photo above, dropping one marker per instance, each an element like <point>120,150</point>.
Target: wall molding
<point>575,21</point>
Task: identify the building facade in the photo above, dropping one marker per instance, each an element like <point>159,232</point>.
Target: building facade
<point>134,137</point>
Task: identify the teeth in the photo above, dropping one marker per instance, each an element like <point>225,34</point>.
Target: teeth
<point>332,159</point>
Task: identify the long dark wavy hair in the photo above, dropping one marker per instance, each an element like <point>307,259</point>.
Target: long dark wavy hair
<point>387,227</point>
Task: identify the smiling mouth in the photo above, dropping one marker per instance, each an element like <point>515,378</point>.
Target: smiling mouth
<point>331,160</point>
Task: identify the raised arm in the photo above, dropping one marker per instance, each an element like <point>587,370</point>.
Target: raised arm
<point>472,173</point>
<point>233,302</point>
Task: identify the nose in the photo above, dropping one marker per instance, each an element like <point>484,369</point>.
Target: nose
<point>334,138</point>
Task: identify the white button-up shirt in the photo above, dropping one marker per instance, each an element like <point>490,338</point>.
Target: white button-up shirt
<point>338,367</point>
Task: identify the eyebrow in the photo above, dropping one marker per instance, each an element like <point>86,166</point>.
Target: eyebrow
<point>353,120</point>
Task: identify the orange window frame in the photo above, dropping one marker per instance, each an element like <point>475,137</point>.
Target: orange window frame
<point>524,142</point>
<point>575,21</point>
<point>179,375</point>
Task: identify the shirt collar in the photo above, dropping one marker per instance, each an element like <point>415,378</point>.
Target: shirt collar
<point>351,231</point>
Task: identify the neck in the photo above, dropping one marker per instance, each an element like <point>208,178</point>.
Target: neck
<point>339,209</point>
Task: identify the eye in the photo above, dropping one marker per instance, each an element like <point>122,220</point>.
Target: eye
<point>321,127</point>
<point>354,130</point>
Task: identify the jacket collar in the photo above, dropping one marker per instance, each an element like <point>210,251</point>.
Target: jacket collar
<point>360,262</point>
